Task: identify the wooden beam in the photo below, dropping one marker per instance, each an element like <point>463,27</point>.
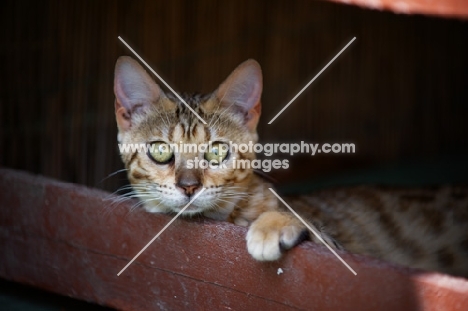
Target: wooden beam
<point>443,8</point>
<point>70,240</point>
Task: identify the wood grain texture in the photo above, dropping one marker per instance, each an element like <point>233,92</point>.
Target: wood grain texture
<point>66,239</point>
<point>399,92</point>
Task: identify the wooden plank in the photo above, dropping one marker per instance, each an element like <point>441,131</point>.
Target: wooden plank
<point>67,239</point>
<point>445,8</point>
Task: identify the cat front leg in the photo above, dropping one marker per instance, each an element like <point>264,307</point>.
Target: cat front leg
<point>272,233</point>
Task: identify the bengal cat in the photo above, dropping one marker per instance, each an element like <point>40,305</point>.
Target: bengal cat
<point>422,228</point>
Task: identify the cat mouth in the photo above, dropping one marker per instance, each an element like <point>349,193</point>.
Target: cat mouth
<point>192,208</point>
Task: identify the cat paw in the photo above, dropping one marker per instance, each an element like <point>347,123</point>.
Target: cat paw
<point>272,233</point>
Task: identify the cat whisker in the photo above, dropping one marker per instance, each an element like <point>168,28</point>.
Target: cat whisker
<point>136,186</point>
<point>113,174</point>
<point>236,193</point>
<point>240,197</point>
<point>140,203</point>
<point>116,192</point>
<point>222,200</point>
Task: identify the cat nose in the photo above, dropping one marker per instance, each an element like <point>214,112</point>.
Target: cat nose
<point>189,183</point>
<point>189,189</point>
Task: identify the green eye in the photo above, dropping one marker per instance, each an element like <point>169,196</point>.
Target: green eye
<point>160,152</point>
<point>217,153</point>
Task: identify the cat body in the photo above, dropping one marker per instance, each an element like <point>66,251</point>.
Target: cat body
<point>418,227</point>
<point>423,228</point>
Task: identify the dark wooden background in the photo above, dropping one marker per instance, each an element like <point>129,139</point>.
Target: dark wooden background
<point>400,92</point>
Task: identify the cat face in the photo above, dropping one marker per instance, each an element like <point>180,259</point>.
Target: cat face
<point>165,178</point>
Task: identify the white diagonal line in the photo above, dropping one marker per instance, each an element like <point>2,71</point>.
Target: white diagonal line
<point>313,79</point>
<point>161,79</point>
<point>162,230</point>
<point>313,231</point>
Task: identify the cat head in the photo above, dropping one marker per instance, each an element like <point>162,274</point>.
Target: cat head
<point>165,177</point>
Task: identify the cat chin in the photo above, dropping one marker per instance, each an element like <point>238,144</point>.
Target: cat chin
<point>218,214</point>
<point>156,209</point>
<point>190,211</point>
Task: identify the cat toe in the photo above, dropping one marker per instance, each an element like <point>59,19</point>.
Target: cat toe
<point>263,246</point>
<point>272,233</point>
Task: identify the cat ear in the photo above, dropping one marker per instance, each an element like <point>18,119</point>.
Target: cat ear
<point>242,91</point>
<point>134,91</point>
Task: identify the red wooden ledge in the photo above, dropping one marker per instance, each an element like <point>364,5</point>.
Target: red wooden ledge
<point>445,8</point>
<point>67,239</point>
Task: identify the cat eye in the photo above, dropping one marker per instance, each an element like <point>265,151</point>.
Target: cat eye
<point>217,153</point>
<point>160,152</point>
